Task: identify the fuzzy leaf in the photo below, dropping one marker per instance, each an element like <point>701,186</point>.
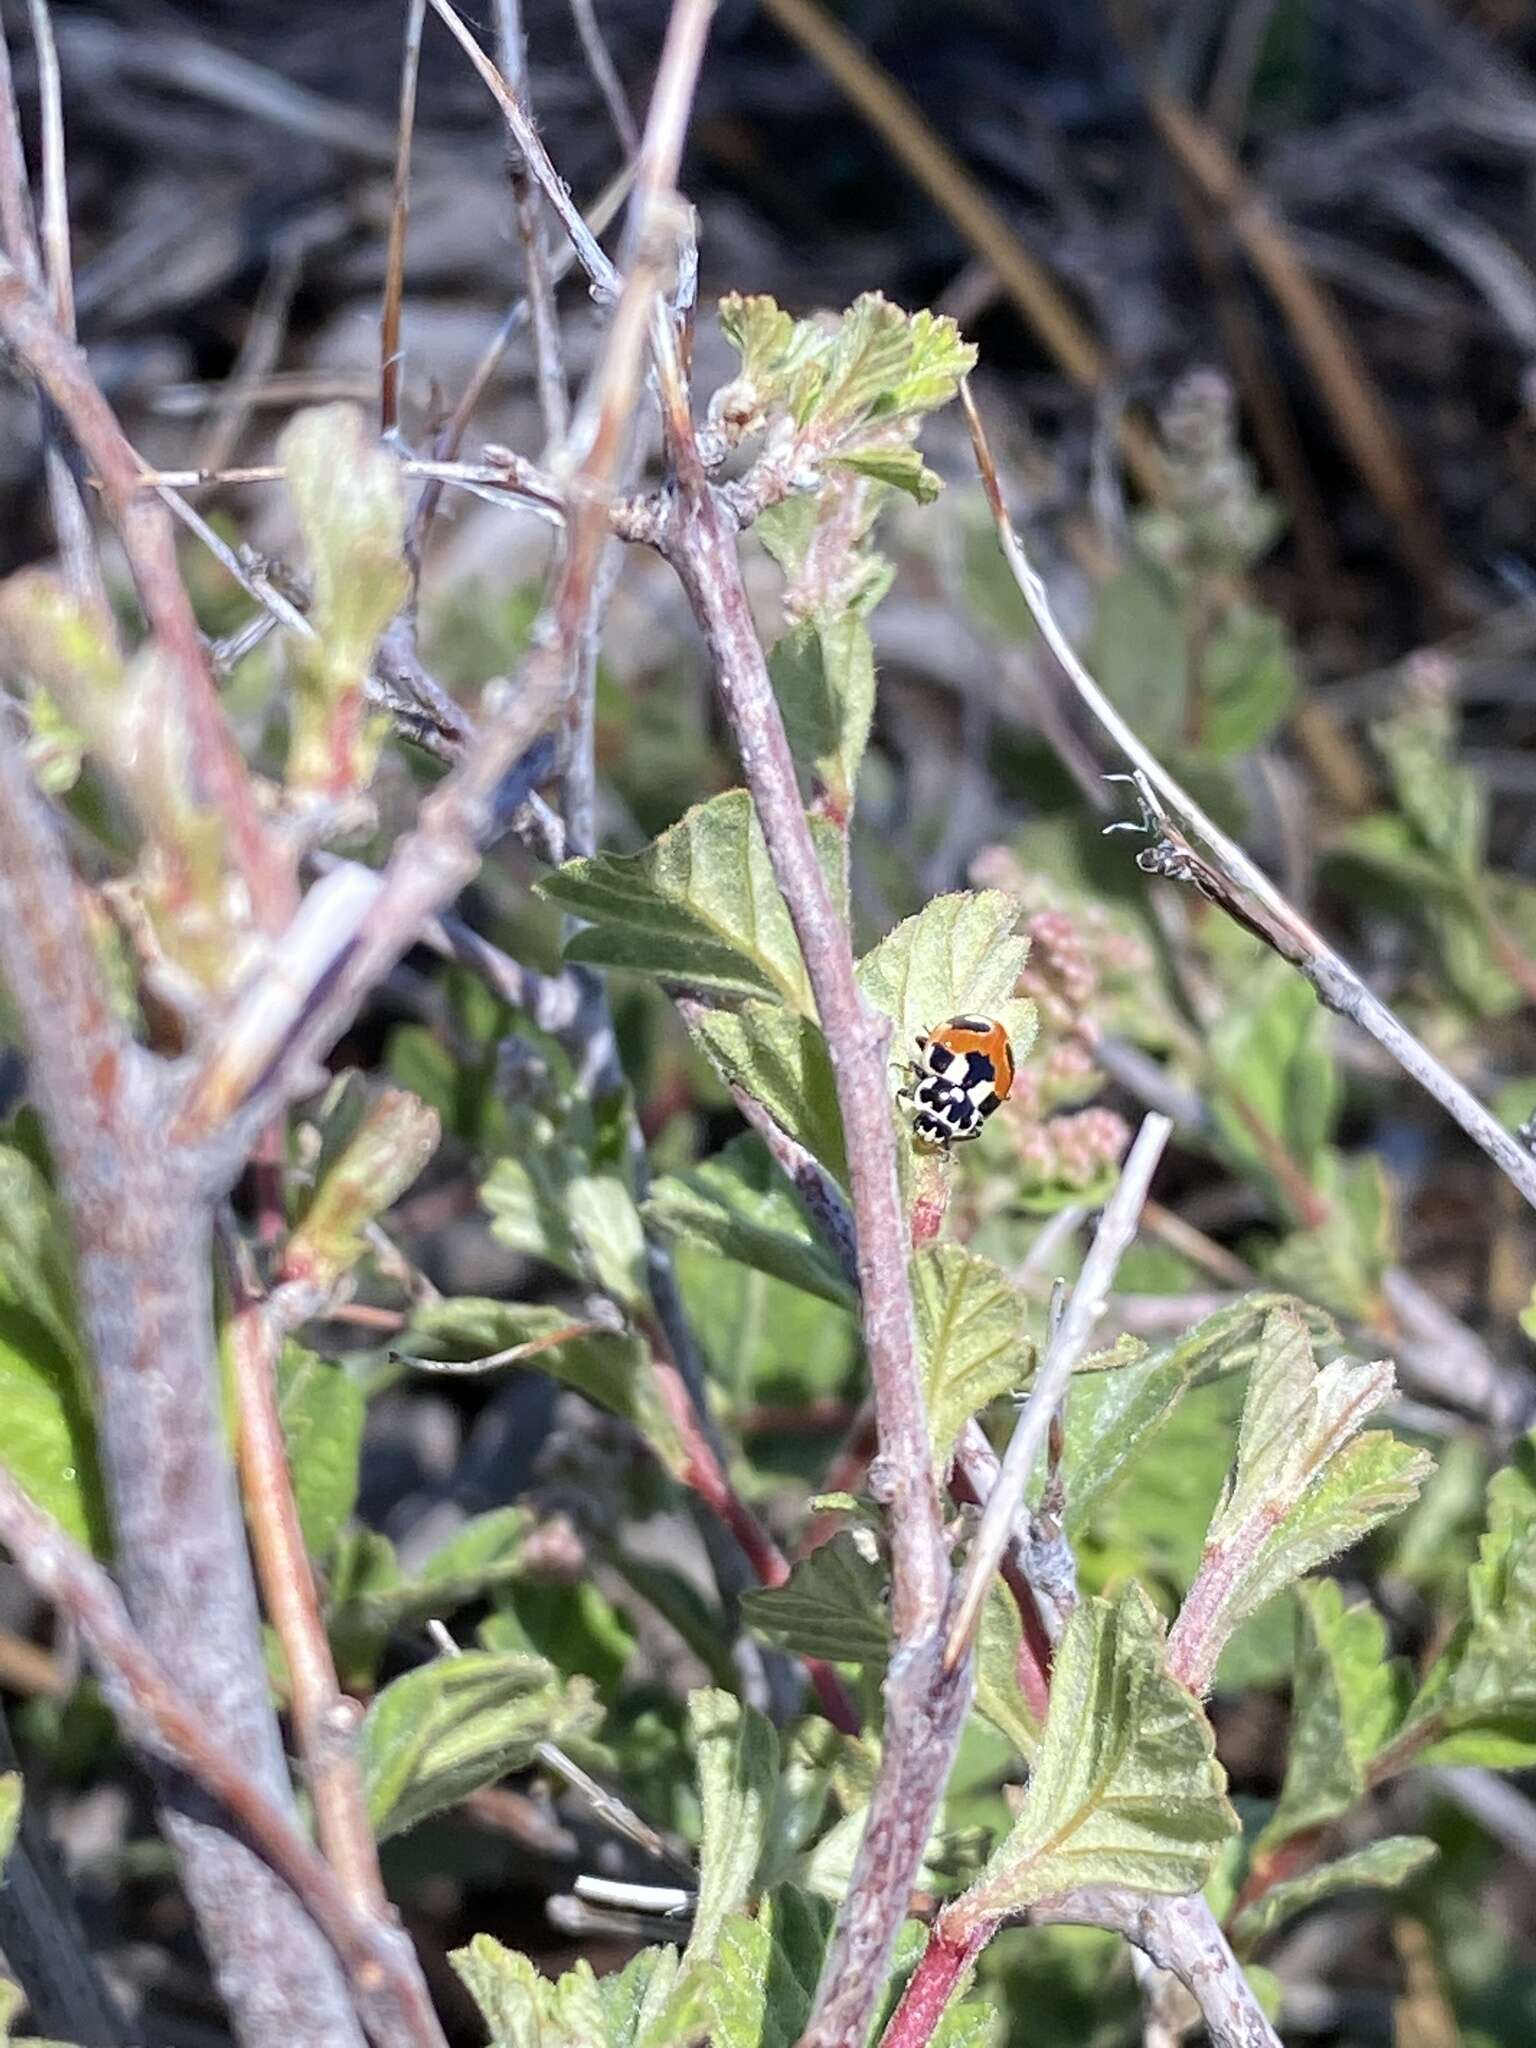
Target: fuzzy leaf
<point>894,464</point>
<point>998,1693</point>
<point>1478,1703</point>
<point>609,1368</point>
<point>1112,1415</point>
<point>36,1262</point>
<point>832,1605</point>
<point>1126,1788</point>
<point>824,678</point>
<point>1139,653</point>
<point>523,2009</point>
<point>1306,1485</point>
<point>782,1062</point>
<point>394,1138</point>
<point>10,1811</point>
<point>1342,1262</point>
<point>322,1409</point>
<point>48,1441</point>
<point>437,1734</point>
<point>740,1206</point>
<point>736,1754</point>
<point>970,1337</point>
<point>699,906</point>
<point>759,1990</point>
<point>1247,682</point>
<point>349,496</point>
<point>1348,1697</point>
<point>1279,1085</point>
<point>1383,1866</point>
<point>1442,801</point>
<point>957,956</point>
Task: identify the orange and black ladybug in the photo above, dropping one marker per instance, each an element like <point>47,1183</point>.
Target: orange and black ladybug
<point>965,1069</point>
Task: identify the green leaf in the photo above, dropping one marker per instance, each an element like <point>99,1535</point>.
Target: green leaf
<point>759,1990</point>
<point>523,2009</point>
<point>782,1062</point>
<point>1306,1484</point>
<point>1111,1416</point>
<point>699,906</point>
<point>1138,652</point>
<point>958,956</point>
<point>970,1337</point>
<point>1343,1261</point>
<point>48,1441</point>
<point>437,1734</point>
<point>1383,1866</point>
<point>899,466</point>
<point>998,1693</point>
<point>1126,1788</point>
<point>740,1207</point>
<point>1279,1085</point>
<point>635,1998</point>
<point>1441,800</point>
<point>824,678</point>
<point>1348,1695</point>
<point>736,1754</point>
<point>611,1369</point>
<point>385,1149</point>
<point>10,1811</point>
<point>322,1409</point>
<point>36,1263</point>
<point>1478,1703</point>
<point>832,1605</point>
<point>349,496</point>
<point>370,1596</point>
<point>1247,682</point>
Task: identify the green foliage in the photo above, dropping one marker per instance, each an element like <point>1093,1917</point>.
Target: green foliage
<point>10,1811</point>
<point>1306,1484</point>
<point>1343,1261</point>
<point>998,1693</point>
<point>739,1207</point>
<point>958,955</point>
<point>1278,1086</point>
<point>782,1061</point>
<point>49,1438</point>
<point>370,1596</point>
<point>349,498</point>
<point>1125,1788</point>
<point>832,1605</point>
<point>372,1154</point>
<point>971,1340</point>
<point>824,678</point>
<point>737,1757</point>
<point>1477,1704</point>
<point>1349,1696</point>
<point>1113,1416</point>
<point>523,2009</point>
<point>437,1734</point>
<point>610,1368</point>
<point>757,1992</point>
<point>1383,1866</point>
<point>698,907</point>
<point>851,393</point>
<point>321,1407</point>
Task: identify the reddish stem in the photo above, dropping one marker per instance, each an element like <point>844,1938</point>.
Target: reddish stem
<point>933,1983</point>
<point>704,1474</point>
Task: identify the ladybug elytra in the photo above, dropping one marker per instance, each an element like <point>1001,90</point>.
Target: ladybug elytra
<point>964,1070</point>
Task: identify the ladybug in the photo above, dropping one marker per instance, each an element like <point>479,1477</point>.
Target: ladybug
<point>964,1070</point>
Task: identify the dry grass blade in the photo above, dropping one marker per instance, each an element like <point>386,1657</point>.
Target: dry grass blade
<point>399,213</point>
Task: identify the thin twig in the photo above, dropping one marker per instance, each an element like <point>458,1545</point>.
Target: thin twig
<point>168,1727</point>
<point>325,1721</point>
<point>1234,881</point>
<point>604,74</point>
<point>1117,1226</point>
<point>599,269</point>
<point>548,356</point>
<point>399,214</point>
